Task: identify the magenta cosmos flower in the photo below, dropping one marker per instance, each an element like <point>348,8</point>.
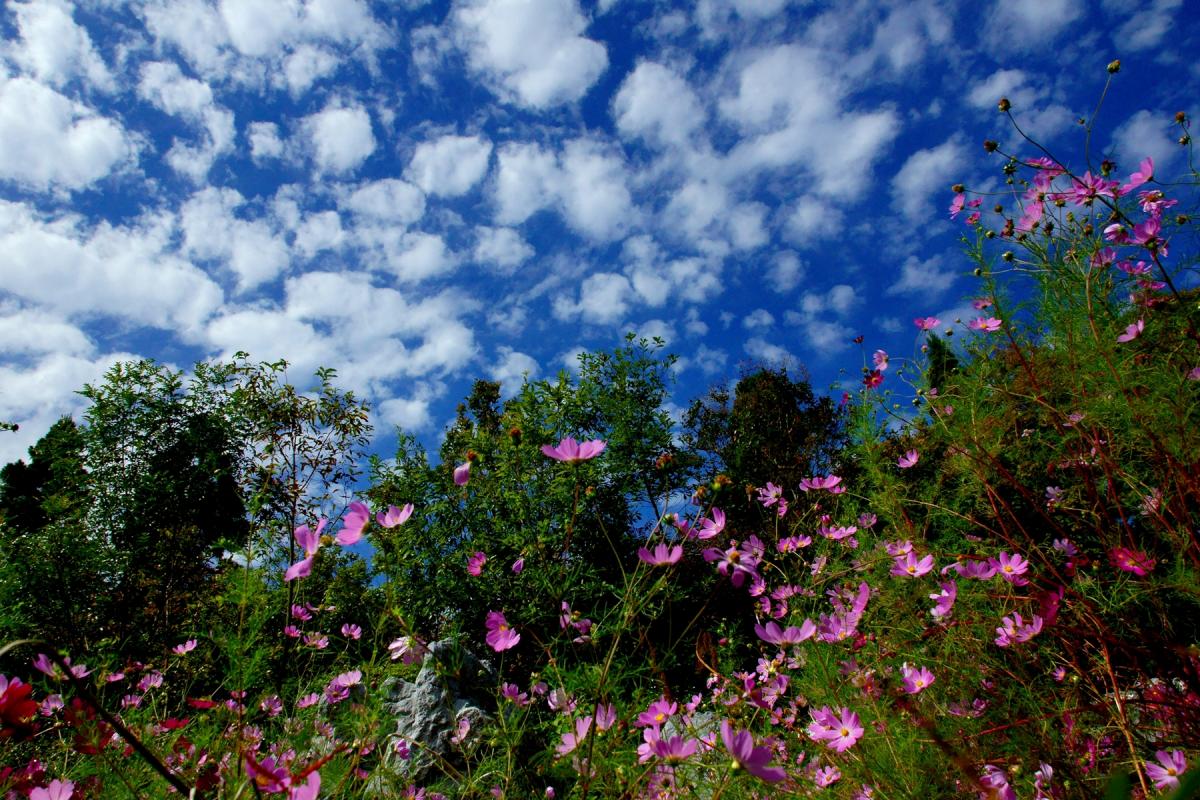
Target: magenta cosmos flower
<point>1165,774</point>
<point>927,323</point>
<point>353,523</point>
<point>310,541</point>
<point>475,563</point>
<point>839,731</point>
<point>909,459</point>
<point>1129,560</point>
<point>909,566</point>
<point>662,555</point>
<point>1132,332</point>
<point>500,635</point>
<point>60,790</point>
<point>986,324</point>
<point>916,680</point>
<point>394,516</point>
<point>745,754</point>
<point>573,452</point>
<point>462,474</point>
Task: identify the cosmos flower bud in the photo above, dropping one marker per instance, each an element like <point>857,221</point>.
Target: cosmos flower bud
<point>990,146</point>
<point>1114,67</point>
<point>1004,105</point>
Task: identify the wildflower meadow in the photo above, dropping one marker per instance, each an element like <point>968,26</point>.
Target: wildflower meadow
<point>970,570</point>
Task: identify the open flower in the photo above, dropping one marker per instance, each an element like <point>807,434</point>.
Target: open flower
<point>1129,560</point>
<point>927,323</point>
<point>573,452</point>
<point>60,790</point>
<point>475,563</point>
<point>353,523</point>
<point>986,324</point>
<point>1165,774</point>
<point>909,459</point>
<point>1132,332</point>
<point>662,555</point>
<point>394,516</point>
<point>909,566</point>
<point>310,541</point>
<point>916,680</point>
<point>500,635</point>
<point>745,754</point>
<point>839,731</point>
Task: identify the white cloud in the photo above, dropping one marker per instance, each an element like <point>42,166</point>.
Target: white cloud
<point>129,274</point>
<point>927,176</point>
<point>813,219</point>
<point>422,256</point>
<point>53,48</point>
<point>502,249</point>
<point>320,231</point>
<point>794,112</point>
<point>656,104</point>
<point>711,361</point>
<point>47,140</point>
<point>451,165</point>
<point>35,396</point>
<point>532,51</point>
<point>511,368</point>
<point>164,86</point>
<point>758,318</point>
<point>767,352</point>
<point>29,332</point>
<point>387,201</point>
<point>587,183</point>
<point>213,231</point>
<point>1147,133</point>
<point>1010,83</point>
<point>1147,26</point>
<point>786,272</point>
<point>1028,24</point>
<point>306,65</point>
<point>604,298</point>
<point>840,299</point>
<point>410,414</point>
<point>926,278</point>
<point>264,141</point>
<point>339,138</point>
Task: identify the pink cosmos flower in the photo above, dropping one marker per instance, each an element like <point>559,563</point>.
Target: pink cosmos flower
<point>576,737</point>
<point>353,523</point>
<point>1132,332</point>
<point>927,323</point>
<point>827,776</point>
<point>909,566</point>
<point>880,360</point>
<point>657,714</point>
<point>839,731</point>
<point>873,379</point>
<point>462,474</point>
<point>987,324</point>
<point>711,527</point>
<point>673,750</point>
<point>1014,630</point>
<point>394,516</point>
<point>1165,774</point>
<point>908,460</point>
<point>43,664</point>
<point>268,776</point>
<point>662,555</point>
<point>1116,233</point>
<point>1010,567</point>
<point>186,647</point>
<point>786,637</point>
<point>917,680</point>
<point>351,631</point>
<point>310,542</point>
<point>957,204</point>
<point>60,790</point>
<point>830,483</point>
<point>1144,174</point>
<point>1089,187</point>
<point>606,716</point>
<point>837,532</point>
<point>944,599</point>
<point>573,452</point>
<point>980,303</point>
<point>754,760</point>
<point>308,790</point>
<point>475,563</point>
<point>518,565</point>
<point>500,635</point>
<point>1129,560</point>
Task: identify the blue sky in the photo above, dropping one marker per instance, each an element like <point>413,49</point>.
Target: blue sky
<point>421,193</point>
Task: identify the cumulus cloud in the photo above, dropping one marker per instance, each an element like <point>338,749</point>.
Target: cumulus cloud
<point>165,87</point>
<point>586,182</point>
<point>1147,25</point>
<point>339,138</point>
<point>532,51</point>
<point>389,201</point>
<point>813,219</point>
<point>511,368</point>
<point>29,332</point>
<point>1028,24</point>
<point>501,249</point>
<point>758,319</point>
<point>53,48</point>
<point>450,166</point>
<point>785,272</point>
<point>768,353</point>
<point>213,231</point>
<point>926,177</point>
<point>130,274</point>
<point>927,278</point>
<point>794,111</point>
<point>657,105</point>
<point>1147,133</point>
<point>604,298</point>
<point>48,140</point>
<point>264,140</point>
